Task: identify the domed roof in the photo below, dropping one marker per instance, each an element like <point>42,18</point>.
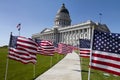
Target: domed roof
<point>63,9</point>
<point>62,18</point>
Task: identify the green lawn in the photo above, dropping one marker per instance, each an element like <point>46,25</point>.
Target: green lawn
<point>95,74</point>
<point>19,71</point>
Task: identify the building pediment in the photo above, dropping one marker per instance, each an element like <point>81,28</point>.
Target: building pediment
<point>45,30</point>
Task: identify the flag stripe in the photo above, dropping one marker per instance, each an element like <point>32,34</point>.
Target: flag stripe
<point>26,43</point>
<point>20,54</point>
<point>45,51</point>
<point>106,61</point>
<point>47,46</point>
<point>22,60</point>
<point>106,55</point>
<point>26,40</point>
<point>32,50</point>
<point>106,69</point>
<point>84,51</point>
<point>22,57</point>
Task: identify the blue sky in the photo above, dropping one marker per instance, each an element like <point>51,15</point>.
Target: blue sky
<point>35,15</point>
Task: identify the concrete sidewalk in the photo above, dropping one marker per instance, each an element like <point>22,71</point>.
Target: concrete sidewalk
<point>67,69</point>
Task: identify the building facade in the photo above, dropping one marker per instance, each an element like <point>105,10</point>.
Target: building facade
<point>64,32</point>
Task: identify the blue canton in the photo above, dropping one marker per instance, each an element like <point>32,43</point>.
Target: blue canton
<point>38,41</point>
<point>55,44</point>
<point>107,42</point>
<point>13,41</point>
<point>84,43</point>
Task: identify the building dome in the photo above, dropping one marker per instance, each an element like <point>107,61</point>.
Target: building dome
<point>63,9</point>
<point>62,18</point>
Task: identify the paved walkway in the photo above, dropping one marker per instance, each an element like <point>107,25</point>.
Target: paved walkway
<point>67,69</point>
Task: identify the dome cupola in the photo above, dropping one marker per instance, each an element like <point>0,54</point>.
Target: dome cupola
<point>62,18</point>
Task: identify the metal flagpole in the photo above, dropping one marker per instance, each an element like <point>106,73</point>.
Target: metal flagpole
<point>6,71</point>
<point>51,61</point>
<point>19,32</point>
<point>91,53</point>
<point>33,71</point>
<point>7,62</point>
<point>79,55</point>
<point>100,14</point>
<point>57,56</point>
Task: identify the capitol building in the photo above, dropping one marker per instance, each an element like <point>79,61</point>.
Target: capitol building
<point>64,32</point>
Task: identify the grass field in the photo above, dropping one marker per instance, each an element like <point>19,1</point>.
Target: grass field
<point>19,71</point>
<point>95,74</point>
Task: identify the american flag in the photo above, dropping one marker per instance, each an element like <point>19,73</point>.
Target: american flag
<point>62,48</point>
<point>84,48</point>
<point>106,52</point>
<point>70,48</point>
<point>45,47</point>
<point>19,27</point>
<point>22,49</point>
<point>38,41</point>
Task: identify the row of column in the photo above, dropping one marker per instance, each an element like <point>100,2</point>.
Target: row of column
<point>72,37</point>
<point>47,36</point>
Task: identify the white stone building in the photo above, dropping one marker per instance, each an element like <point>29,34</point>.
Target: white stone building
<point>64,32</point>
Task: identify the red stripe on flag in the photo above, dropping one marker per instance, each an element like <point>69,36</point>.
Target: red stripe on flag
<point>106,70</point>
<point>85,52</point>
<point>106,56</point>
<point>106,63</point>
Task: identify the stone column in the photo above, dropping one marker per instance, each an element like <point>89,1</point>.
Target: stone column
<point>74,37</point>
<point>63,37</point>
<point>79,34</point>
<point>69,37</point>
<point>60,37</point>
<point>90,33</point>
